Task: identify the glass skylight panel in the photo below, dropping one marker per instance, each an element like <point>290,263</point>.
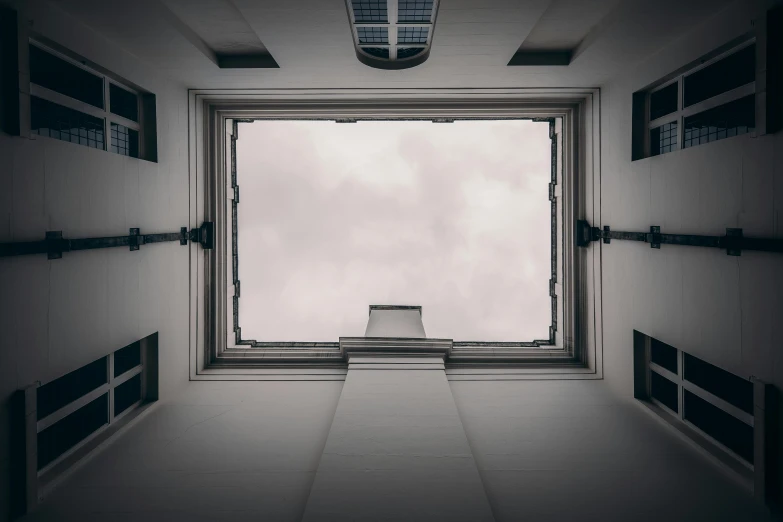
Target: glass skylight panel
<point>405,26</point>
<point>412,35</point>
<point>373,35</point>
<point>407,52</point>
<point>379,52</point>
<point>370,10</point>
<point>414,10</point>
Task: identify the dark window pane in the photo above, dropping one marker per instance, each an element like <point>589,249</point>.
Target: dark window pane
<point>123,103</point>
<point>664,355</point>
<point>732,119</point>
<point>732,389</point>
<point>725,428</point>
<point>127,358</point>
<point>55,121</point>
<point>370,11</point>
<point>127,394</point>
<point>663,139</point>
<point>414,10</point>
<point>729,73</point>
<point>664,390</point>
<point>373,34</point>
<point>663,101</point>
<point>61,76</point>
<point>124,141</point>
<point>60,392</point>
<point>412,35</point>
<point>69,431</point>
<point>378,52</point>
<point>408,52</point>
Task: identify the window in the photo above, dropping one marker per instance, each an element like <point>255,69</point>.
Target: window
<point>74,406</point>
<point>709,405</point>
<point>711,101</point>
<point>75,413</point>
<point>74,103</point>
<point>399,34</point>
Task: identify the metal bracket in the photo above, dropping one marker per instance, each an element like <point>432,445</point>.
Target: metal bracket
<point>442,120</point>
<point>733,241</point>
<point>205,235</point>
<point>133,239</point>
<point>585,234</point>
<point>54,244</point>
<point>654,237</point>
<point>345,120</point>
<point>605,235</point>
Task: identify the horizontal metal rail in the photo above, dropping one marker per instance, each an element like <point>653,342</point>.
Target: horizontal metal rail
<point>733,242</point>
<point>55,244</point>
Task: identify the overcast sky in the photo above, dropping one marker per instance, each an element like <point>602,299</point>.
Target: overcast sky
<point>452,217</point>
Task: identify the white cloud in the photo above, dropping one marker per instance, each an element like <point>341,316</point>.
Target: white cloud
<point>453,217</point>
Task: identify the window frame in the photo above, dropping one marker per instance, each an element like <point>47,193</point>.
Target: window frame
<point>104,114</point>
<point>755,476</point>
<point>34,484</point>
<point>683,112</point>
<point>578,349</point>
<point>555,130</point>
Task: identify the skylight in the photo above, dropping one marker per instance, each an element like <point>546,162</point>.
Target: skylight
<point>453,217</point>
<point>394,34</point>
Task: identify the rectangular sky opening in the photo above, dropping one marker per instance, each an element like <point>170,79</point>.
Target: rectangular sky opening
<point>455,217</point>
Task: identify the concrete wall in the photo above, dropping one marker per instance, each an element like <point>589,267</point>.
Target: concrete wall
<point>58,315</point>
<point>721,308</point>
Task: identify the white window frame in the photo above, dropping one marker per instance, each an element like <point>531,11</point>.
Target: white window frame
<point>757,476</point>
<point>578,349</point>
<point>682,112</point>
<point>34,484</point>
<point>104,114</point>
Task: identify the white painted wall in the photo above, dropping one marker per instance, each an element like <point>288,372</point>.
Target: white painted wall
<point>239,451</point>
<point>254,446</point>
<point>56,316</point>
<point>721,308</point>
<point>396,449</point>
<point>545,451</point>
<point>726,310</point>
<point>571,450</point>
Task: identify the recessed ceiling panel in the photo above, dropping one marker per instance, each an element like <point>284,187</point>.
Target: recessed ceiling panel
<point>225,31</point>
<point>560,30</point>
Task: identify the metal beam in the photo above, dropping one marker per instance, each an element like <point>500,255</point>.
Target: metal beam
<point>55,244</point>
<point>733,242</point>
